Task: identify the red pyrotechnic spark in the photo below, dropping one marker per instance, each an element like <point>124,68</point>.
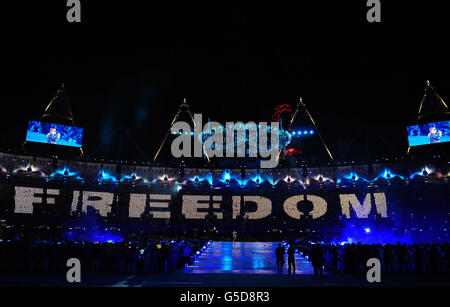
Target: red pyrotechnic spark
<point>284,108</point>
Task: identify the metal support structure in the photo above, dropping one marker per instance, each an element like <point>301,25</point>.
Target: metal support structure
<point>302,105</point>
<point>428,87</point>
<point>69,117</point>
<point>183,106</point>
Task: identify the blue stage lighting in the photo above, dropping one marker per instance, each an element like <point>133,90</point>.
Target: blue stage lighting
<point>367,230</point>
<point>299,132</point>
<point>227,175</point>
<point>311,132</point>
<point>293,132</point>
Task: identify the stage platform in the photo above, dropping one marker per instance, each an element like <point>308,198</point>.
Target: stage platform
<point>244,258</point>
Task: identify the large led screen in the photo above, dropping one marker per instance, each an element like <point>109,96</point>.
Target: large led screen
<point>48,133</point>
<point>430,133</point>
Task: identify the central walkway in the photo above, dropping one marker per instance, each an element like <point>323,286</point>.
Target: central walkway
<point>244,258</point>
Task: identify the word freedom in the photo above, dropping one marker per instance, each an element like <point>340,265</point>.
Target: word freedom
<point>196,207</point>
<point>213,145</point>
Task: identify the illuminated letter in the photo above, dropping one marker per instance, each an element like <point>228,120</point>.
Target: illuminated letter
<point>137,205</point>
<point>319,206</point>
<point>102,203</point>
<point>24,199</point>
<point>362,211</point>
<point>264,207</point>
<point>51,200</point>
<point>191,205</point>
<point>236,206</point>
<point>160,204</point>
<point>216,205</point>
<point>76,197</point>
<point>380,204</point>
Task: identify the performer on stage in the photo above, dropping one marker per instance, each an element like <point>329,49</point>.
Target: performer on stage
<point>434,136</point>
<point>53,136</point>
<point>279,253</point>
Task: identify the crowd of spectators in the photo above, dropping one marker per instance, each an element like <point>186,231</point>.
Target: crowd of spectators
<point>46,249</point>
<point>34,253</point>
<point>394,258</point>
<point>131,257</point>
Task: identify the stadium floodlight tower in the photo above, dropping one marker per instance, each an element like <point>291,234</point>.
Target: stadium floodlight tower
<point>182,109</point>
<point>432,107</point>
<point>312,128</point>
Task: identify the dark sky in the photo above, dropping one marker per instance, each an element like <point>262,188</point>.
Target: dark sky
<point>130,65</point>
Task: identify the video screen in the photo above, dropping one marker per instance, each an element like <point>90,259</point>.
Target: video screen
<point>431,133</point>
<point>48,133</point>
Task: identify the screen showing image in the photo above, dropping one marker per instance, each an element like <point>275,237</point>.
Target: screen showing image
<point>47,133</point>
<point>431,133</point>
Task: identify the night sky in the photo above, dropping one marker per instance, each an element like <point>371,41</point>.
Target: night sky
<point>129,65</point>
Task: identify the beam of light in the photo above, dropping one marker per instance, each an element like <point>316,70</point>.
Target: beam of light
<point>103,176</point>
<point>127,178</point>
<point>387,174</point>
<point>353,177</point>
<point>165,178</point>
<point>65,172</point>
<point>425,171</point>
<point>242,182</point>
<point>289,179</point>
<point>269,179</point>
<point>324,179</point>
<point>226,177</point>
<point>26,169</point>
<point>198,179</point>
<point>257,179</point>
<point>29,168</point>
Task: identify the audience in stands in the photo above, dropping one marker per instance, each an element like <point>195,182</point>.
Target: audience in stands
<point>46,250</point>
<point>131,257</point>
<point>394,258</point>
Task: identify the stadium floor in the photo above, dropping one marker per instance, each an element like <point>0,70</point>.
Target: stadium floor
<point>243,258</point>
